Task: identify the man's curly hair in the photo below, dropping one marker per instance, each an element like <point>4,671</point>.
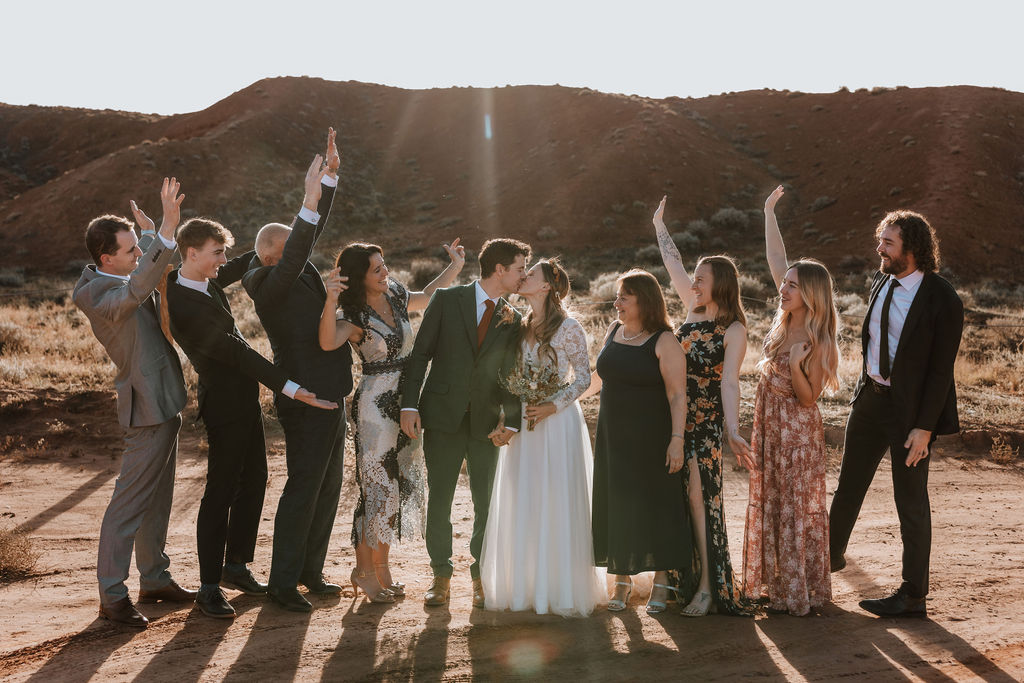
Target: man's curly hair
<point>918,237</point>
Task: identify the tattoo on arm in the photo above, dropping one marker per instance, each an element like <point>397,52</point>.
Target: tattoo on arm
<point>669,251</point>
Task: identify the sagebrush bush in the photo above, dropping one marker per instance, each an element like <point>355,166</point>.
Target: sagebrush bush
<point>730,218</point>
<point>603,287</point>
<point>12,338</point>
<point>424,270</point>
<point>686,242</point>
<point>18,555</point>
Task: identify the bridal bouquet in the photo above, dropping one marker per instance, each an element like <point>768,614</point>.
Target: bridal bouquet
<point>533,384</point>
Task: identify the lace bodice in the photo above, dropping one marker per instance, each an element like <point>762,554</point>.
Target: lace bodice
<point>382,344</point>
<point>570,347</point>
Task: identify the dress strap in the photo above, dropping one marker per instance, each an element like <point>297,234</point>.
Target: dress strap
<point>612,335</point>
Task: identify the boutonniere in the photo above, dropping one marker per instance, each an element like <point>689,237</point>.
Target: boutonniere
<point>507,315</point>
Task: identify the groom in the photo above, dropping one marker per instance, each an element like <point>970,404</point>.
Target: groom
<point>469,335</point>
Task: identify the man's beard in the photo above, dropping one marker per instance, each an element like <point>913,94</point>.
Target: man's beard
<point>896,265</point>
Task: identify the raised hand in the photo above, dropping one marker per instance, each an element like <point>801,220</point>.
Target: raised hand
<point>171,202</point>
<point>314,174</point>
<point>773,198</point>
<point>741,449</point>
<point>332,158</point>
<point>144,222</point>
<point>659,213</point>
<point>310,399</point>
<point>335,284</point>
<point>456,252</point>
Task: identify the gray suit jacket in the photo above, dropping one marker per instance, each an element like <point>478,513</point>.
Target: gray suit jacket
<point>124,318</point>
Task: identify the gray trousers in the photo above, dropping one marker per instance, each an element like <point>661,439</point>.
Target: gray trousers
<point>139,511</point>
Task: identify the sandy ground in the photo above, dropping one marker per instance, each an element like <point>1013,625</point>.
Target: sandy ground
<point>49,630</point>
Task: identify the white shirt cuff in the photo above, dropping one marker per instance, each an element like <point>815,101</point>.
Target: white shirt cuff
<point>290,388</point>
<point>410,410</point>
<point>512,429</point>
<point>170,244</point>
<point>311,217</point>
<point>329,181</point>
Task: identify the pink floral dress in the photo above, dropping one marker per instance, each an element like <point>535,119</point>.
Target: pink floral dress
<point>785,548</point>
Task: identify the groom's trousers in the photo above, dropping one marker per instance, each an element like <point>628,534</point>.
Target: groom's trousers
<point>444,453</point>
<point>871,430</point>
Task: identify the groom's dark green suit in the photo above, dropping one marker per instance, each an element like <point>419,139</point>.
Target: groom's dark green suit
<point>459,406</point>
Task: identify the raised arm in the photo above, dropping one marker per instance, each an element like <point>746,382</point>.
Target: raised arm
<point>775,249</point>
<point>333,332</point>
<point>735,350</point>
<point>671,258</point>
<point>457,253</point>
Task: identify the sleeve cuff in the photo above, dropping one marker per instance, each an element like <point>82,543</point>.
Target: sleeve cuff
<point>410,410</point>
<point>170,244</point>
<point>512,429</point>
<point>311,217</point>
<point>329,181</point>
<point>290,388</point>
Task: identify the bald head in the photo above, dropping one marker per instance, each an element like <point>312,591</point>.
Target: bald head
<point>270,242</point>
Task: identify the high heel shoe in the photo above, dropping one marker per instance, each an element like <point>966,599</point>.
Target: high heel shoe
<point>397,589</point>
<point>659,606</point>
<point>616,605</point>
<point>704,599</point>
<point>383,595</point>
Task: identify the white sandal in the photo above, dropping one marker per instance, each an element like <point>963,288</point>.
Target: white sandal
<point>615,605</point>
<point>658,606</point>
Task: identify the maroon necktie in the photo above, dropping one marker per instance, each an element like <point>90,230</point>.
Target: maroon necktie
<point>485,322</point>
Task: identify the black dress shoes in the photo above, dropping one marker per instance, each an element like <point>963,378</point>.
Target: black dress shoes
<point>899,604</point>
<point>837,563</point>
<point>212,603</point>
<point>243,581</point>
<point>172,592</point>
<point>321,586</point>
<point>124,612</point>
<point>290,599</point>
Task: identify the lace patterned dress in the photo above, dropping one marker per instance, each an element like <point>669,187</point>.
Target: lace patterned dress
<point>785,551</point>
<point>389,465</point>
<point>537,552</point>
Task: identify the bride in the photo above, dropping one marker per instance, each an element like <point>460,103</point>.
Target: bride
<point>537,552</point>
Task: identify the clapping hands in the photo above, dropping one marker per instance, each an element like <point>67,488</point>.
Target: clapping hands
<point>171,202</point>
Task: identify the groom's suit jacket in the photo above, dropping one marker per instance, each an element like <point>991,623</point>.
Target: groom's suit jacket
<point>124,316</point>
<point>923,391</point>
<point>462,377</point>
<point>229,369</point>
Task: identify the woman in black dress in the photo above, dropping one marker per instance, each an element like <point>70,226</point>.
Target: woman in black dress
<point>640,522</point>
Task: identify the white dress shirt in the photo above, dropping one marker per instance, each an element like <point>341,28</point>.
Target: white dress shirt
<point>902,298</point>
<point>481,299</point>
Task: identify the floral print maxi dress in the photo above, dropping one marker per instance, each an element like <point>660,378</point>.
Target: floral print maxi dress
<point>704,344</point>
<point>389,465</point>
<point>785,551</point>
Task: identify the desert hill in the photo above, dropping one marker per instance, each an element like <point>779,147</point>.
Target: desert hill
<point>572,170</point>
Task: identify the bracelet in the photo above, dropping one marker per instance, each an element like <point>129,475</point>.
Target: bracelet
<point>679,435</point>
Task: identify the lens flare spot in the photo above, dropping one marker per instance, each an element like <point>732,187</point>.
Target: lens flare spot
<point>526,657</point>
<point>487,126</point>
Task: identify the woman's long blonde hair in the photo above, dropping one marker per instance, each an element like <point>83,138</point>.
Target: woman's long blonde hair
<point>554,310</point>
<point>821,322</point>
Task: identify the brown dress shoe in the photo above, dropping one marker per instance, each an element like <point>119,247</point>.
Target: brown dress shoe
<point>437,594</point>
<point>124,612</point>
<point>172,592</point>
<point>478,593</point>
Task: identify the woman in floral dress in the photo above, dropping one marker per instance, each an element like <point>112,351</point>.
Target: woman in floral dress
<point>714,337</point>
<point>785,550</point>
<point>374,318</point>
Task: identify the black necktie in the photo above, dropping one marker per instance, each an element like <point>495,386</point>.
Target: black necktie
<point>883,361</point>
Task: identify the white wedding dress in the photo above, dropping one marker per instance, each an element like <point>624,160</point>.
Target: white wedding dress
<point>538,550</point>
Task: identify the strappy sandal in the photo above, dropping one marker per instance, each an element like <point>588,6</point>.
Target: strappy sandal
<point>705,599</point>
<point>615,605</point>
<point>397,589</point>
<point>659,606</point>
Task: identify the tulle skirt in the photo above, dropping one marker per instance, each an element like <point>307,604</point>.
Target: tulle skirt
<point>538,550</point>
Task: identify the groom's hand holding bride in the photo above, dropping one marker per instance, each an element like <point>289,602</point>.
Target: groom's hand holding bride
<point>501,436</point>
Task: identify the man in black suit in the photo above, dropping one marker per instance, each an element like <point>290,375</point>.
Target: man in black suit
<point>905,398</point>
<point>230,372</point>
<point>289,296</point>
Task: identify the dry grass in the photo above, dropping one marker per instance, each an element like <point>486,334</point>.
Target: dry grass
<point>18,555</point>
<point>1001,452</point>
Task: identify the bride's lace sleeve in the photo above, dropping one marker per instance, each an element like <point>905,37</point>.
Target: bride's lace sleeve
<point>571,339</point>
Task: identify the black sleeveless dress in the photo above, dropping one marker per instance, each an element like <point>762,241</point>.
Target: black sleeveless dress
<point>640,520</point>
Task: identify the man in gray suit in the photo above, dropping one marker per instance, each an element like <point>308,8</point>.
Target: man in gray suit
<point>117,295</point>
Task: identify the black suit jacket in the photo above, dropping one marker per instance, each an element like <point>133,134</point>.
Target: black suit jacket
<point>229,369</point>
<point>289,298</point>
<point>923,391</point>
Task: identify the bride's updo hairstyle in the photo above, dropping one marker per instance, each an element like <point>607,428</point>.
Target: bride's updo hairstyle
<point>554,311</point>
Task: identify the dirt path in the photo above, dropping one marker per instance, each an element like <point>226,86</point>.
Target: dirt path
<point>49,629</point>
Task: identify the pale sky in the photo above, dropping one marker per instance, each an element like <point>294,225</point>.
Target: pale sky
<point>172,57</point>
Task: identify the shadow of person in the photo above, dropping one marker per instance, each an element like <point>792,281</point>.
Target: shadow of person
<point>83,491</point>
<point>81,655</point>
<point>188,653</point>
<point>355,654</point>
<point>273,647</point>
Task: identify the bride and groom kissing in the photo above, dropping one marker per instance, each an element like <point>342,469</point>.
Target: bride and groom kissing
<point>531,542</point>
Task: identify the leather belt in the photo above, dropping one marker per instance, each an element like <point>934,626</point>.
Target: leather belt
<point>878,388</point>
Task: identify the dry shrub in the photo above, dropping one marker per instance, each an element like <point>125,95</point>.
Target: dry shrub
<point>12,338</point>
<point>603,287</point>
<point>424,270</point>
<point>1002,452</point>
<point>18,555</point>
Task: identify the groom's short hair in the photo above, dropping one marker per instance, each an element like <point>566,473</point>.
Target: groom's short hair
<point>502,250</point>
<point>198,231</point>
